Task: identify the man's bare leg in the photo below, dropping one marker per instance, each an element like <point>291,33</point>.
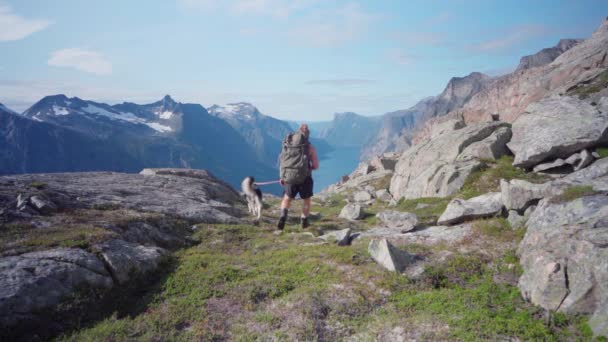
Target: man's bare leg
<point>306,207</point>
<point>285,204</point>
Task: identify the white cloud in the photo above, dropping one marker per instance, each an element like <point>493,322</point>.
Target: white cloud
<point>84,60</point>
<point>281,9</point>
<point>15,27</point>
<point>399,56</point>
<point>422,38</point>
<point>332,27</point>
<point>516,35</point>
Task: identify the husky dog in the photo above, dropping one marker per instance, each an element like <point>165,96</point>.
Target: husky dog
<point>254,196</point>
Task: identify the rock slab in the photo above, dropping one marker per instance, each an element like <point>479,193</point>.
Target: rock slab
<point>459,210</point>
<point>388,256</point>
<point>401,221</point>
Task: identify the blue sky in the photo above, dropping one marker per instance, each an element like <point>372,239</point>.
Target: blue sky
<point>299,59</point>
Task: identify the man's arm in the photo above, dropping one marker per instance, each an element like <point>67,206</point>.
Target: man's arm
<point>313,157</point>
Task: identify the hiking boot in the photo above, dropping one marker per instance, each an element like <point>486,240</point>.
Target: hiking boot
<point>281,223</point>
<point>304,222</point>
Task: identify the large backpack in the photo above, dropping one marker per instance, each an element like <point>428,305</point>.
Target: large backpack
<point>294,166</point>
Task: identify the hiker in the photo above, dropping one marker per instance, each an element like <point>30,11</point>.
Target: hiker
<point>298,159</point>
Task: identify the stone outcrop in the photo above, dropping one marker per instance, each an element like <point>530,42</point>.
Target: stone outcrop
<point>190,194</point>
<point>459,210</point>
<point>438,167</point>
<point>557,127</point>
<point>33,284</point>
<point>428,236</point>
<point>564,255</point>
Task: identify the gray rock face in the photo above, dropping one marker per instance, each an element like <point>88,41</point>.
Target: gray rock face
<point>403,222</point>
<point>190,194</point>
<point>460,210</point>
<point>439,166</point>
<point>541,133</point>
<point>564,255</point>
<point>548,55</point>
<point>517,194</point>
<point>351,211</point>
<point>548,166</point>
<point>40,280</point>
<point>126,260</point>
<point>384,195</point>
<point>388,256</point>
<point>340,237</point>
<point>518,221</point>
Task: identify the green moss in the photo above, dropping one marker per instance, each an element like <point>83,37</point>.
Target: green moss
<point>574,192</point>
<point>427,209</point>
<point>38,185</point>
<point>76,236</point>
<point>106,206</point>
<point>487,179</point>
<point>498,228</point>
<point>602,151</point>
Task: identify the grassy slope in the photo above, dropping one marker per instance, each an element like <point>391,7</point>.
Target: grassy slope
<point>246,283</point>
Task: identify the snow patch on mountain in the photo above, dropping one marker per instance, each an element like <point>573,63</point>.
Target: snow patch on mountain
<point>166,115</point>
<point>60,110</point>
<point>158,127</point>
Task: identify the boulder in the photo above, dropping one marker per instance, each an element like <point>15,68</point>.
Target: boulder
<point>557,127</point>
<point>126,260</point>
<point>362,196</point>
<point>33,282</point>
<point>439,166</point>
<point>351,211</point>
<point>459,210</point>
<point>384,195</point>
<point>403,222</point>
<point>388,256</point>
<point>43,205</point>
<point>341,237</point>
<point>564,256</point>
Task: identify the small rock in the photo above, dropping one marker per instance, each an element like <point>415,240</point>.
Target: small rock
<point>573,159</point>
<point>388,256</point>
<point>351,212</point>
<point>459,210</point>
<point>341,237</point>
<point>398,220</point>
<point>547,166</point>
<point>22,201</point>
<point>369,189</point>
<point>362,196</point>
<point>595,155</point>
<point>586,159</point>
<point>42,205</point>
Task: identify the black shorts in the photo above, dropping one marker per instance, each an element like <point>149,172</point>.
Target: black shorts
<point>304,189</point>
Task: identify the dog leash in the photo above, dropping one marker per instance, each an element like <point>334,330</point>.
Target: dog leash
<point>267,183</point>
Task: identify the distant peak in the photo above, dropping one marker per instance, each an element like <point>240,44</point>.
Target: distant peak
<point>168,99</point>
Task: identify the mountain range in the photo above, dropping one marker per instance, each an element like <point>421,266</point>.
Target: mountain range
<point>70,134</point>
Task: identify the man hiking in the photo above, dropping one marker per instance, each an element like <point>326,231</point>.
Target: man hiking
<point>298,159</point>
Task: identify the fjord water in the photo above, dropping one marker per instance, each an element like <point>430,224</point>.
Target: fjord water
<point>341,161</point>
